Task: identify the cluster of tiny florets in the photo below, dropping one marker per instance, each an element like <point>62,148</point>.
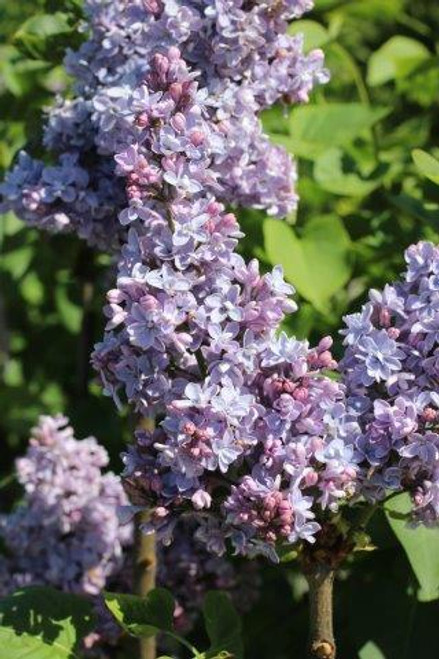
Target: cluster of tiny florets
<point>391,368</point>
<point>68,533</point>
<point>253,437</point>
<point>65,532</point>
<point>246,62</point>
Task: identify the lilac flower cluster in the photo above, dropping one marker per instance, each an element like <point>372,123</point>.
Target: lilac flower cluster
<point>66,532</point>
<point>246,61</point>
<point>391,372</point>
<point>253,438</point>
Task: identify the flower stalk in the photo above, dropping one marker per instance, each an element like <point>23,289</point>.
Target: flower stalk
<point>145,576</point>
<point>321,618</point>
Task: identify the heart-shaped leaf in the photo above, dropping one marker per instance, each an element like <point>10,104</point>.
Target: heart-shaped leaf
<point>397,58</point>
<point>316,261</point>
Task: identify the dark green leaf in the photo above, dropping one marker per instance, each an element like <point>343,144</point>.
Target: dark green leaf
<point>143,616</point>
<point>223,625</point>
<point>46,36</point>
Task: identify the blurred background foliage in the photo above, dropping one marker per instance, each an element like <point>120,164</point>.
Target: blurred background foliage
<point>368,181</point>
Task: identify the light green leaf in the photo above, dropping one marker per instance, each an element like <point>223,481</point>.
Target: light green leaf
<point>223,625</point>
<point>370,651</point>
<point>17,261</point>
<point>421,545</point>
<point>397,58</point>
<point>316,262</point>
<point>42,623</point>
<point>143,616</point>
<point>70,314</point>
<point>314,129</point>
<point>314,34</point>
<point>32,289</point>
<point>426,164</point>
<point>330,175</point>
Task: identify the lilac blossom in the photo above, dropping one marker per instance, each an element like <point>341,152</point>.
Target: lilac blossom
<point>391,365</point>
<point>245,61</point>
<point>250,427</point>
<point>66,531</point>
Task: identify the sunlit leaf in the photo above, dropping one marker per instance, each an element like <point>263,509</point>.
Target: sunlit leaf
<point>314,34</point>
<point>315,261</point>
<point>397,58</point>
<point>43,623</point>
<point>371,651</point>
<point>330,174</point>
<point>426,164</point>
<point>421,545</point>
<point>314,129</point>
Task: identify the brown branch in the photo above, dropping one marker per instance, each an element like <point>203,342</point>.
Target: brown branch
<point>321,626</point>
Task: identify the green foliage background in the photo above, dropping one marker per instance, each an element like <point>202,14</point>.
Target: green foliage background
<point>363,201</point>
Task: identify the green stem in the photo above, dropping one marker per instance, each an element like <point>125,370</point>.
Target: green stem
<point>361,86</point>
<point>145,577</point>
<point>186,643</point>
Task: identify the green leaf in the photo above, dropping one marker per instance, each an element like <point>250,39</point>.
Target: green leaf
<point>17,261</point>
<point>421,545</point>
<point>46,36</point>
<point>223,625</point>
<point>73,6</point>
<point>397,58</point>
<point>426,164</point>
<point>424,212</point>
<point>143,616</point>
<point>370,651</point>
<point>316,262</point>
<point>70,314</point>
<point>314,34</point>
<point>43,623</point>
<point>316,128</point>
<point>330,175</point>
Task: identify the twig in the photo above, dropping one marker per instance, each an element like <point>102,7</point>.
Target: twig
<point>321,626</point>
